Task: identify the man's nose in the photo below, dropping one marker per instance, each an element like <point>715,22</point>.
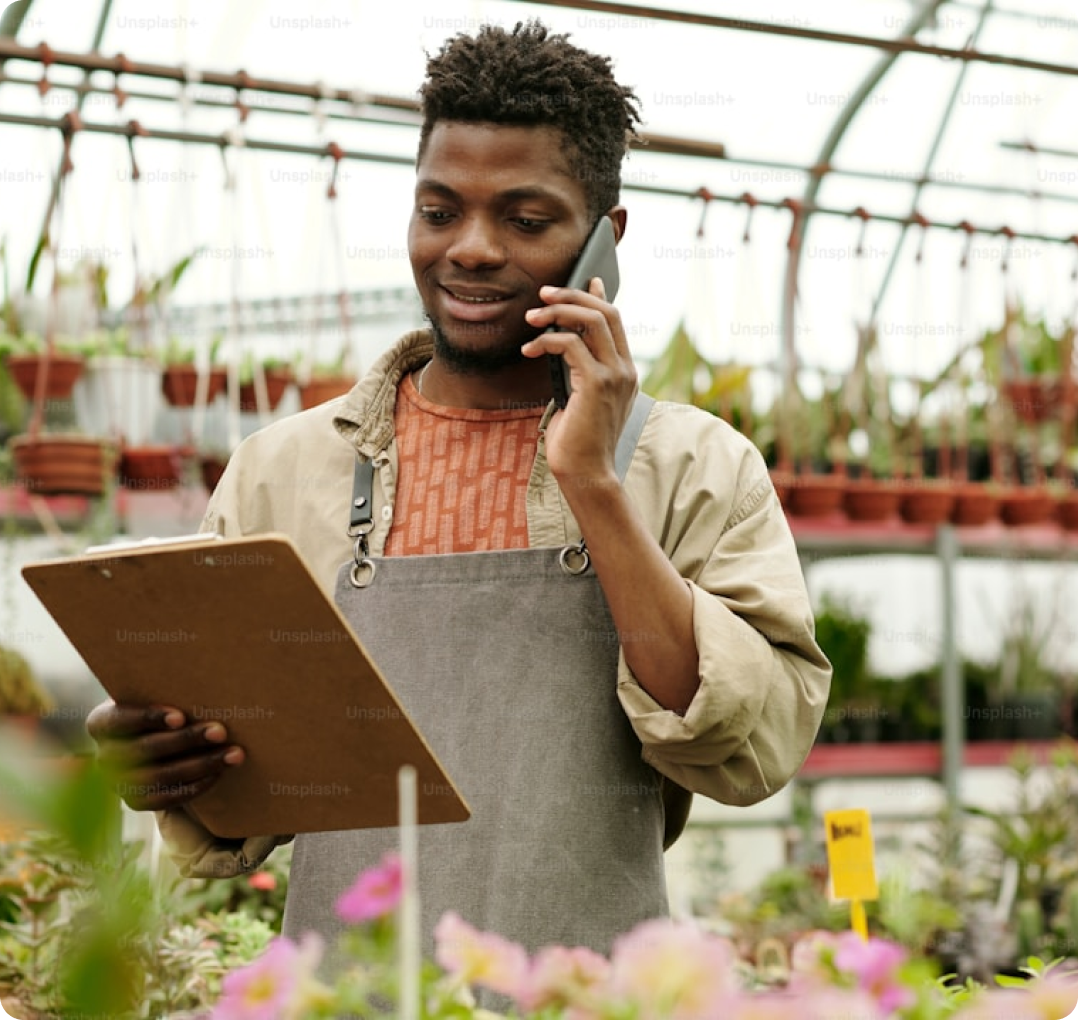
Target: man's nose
<point>476,245</point>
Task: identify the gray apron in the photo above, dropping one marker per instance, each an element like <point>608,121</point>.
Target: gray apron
<point>507,663</point>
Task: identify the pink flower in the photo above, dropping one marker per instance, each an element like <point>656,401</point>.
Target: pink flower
<point>376,892</point>
<point>564,977</point>
<point>272,987</point>
<point>874,963</point>
<point>264,881</point>
<point>673,971</point>
<point>481,958</point>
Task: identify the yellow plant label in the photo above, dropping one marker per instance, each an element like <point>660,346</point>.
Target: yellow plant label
<point>851,855</point>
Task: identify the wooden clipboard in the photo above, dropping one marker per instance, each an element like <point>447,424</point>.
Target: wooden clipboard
<point>238,630</point>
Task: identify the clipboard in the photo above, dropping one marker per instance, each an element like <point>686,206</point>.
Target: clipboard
<point>238,630</point>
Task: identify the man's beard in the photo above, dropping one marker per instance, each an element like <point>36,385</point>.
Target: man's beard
<point>463,361</point>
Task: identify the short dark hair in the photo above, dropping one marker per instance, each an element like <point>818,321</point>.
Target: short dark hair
<point>532,77</point>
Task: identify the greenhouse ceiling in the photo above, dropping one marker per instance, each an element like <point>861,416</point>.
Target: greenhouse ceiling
<point>956,115</point>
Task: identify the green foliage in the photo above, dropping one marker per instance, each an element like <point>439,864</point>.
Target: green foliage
<point>843,635</point>
<point>20,692</point>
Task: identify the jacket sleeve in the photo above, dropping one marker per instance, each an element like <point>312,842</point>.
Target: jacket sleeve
<point>763,680</point>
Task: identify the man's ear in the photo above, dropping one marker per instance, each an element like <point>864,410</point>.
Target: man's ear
<point>618,215</point>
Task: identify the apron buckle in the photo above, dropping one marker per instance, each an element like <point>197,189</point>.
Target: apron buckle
<point>574,559</point>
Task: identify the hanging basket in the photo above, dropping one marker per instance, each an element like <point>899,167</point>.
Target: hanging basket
<point>63,372</point>
<point>179,384</point>
<point>870,499</point>
<point>926,502</point>
<point>322,388</point>
<point>60,464</point>
<point>277,381</point>
<point>153,468</point>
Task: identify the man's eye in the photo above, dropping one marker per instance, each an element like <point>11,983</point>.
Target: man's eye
<point>432,215</point>
<point>527,223</point>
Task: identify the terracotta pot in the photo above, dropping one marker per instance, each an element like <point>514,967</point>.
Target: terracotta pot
<point>277,381</point>
<point>926,502</point>
<point>212,468</point>
<point>1019,507</point>
<point>179,384</point>
<point>1035,398</point>
<point>815,495</point>
<point>781,481</point>
<point>63,464</point>
<point>323,388</point>
<point>870,499</point>
<point>151,468</point>
<point>64,371</point>
<point>1067,510</point>
<point>974,505</point>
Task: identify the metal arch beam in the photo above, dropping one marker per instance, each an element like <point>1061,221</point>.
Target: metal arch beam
<point>830,145</point>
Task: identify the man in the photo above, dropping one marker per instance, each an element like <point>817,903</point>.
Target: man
<point>585,633</point>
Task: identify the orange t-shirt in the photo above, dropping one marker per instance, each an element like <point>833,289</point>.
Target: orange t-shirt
<point>463,476</point>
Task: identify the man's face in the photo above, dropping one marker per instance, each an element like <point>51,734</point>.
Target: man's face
<point>497,215</point>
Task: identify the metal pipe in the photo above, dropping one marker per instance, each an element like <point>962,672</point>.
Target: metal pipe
<point>133,128</point>
<point>902,44</point>
<point>667,144</point>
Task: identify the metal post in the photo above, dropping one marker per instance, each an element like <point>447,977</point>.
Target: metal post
<point>952,695</point>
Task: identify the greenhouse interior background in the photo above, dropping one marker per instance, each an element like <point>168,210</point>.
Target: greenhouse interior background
<point>852,232</point>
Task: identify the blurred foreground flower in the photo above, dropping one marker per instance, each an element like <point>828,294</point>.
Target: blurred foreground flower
<point>376,893</point>
<point>279,985</point>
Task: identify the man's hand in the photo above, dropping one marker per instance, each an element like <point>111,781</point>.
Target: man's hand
<point>155,758</point>
<point>582,438</point>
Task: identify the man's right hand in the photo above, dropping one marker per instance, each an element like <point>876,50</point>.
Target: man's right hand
<point>155,757</point>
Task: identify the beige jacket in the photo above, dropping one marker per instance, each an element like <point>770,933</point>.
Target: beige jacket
<point>705,493</point>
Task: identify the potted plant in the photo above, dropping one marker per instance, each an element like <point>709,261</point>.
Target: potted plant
<point>322,381</point>
<point>274,373</point>
<point>181,375</point>
<point>24,351</point>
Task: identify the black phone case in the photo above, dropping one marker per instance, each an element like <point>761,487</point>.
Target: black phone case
<point>598,257</point>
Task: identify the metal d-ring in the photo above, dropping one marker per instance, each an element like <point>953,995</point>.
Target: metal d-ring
<point>357,576</point>
<point>577,553</point>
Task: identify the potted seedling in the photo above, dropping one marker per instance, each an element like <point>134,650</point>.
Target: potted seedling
<point>181,374</point>
<point>322,381</point>
<point>276,376</point>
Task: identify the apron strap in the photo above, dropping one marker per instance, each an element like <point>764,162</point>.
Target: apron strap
<point>630,435</point>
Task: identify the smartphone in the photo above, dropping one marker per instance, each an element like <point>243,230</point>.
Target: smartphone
<point>597,258</point>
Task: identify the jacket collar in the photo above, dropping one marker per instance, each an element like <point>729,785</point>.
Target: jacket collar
<point>365,416</point>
